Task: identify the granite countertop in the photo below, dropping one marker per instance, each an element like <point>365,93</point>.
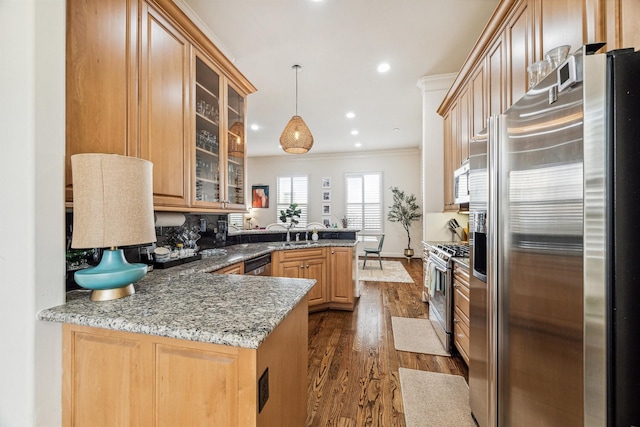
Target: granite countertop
<point>246,251</point>
<point>293,231</point>
<point>186,302</point>
<point>461,260</point>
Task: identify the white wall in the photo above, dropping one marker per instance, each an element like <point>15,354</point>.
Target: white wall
<point>32,129</point>
<point>433,89</point>
<point>400,168</point>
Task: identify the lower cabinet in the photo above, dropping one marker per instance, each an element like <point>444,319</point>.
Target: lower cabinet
<point>237,268</point>
<point>461,309</point>
<point>330,267</point>
<point>342,277</point>
<point>115,378</point>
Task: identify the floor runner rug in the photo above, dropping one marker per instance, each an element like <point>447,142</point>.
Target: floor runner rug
<point>392,271</point>
<point>416,336</point>
<point>432,399</point>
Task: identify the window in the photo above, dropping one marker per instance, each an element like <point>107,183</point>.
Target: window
<point>236,219</point>
<point>293,189</point>
<point>364,201</point>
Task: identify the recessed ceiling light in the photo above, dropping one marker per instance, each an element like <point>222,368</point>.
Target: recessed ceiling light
<point>255,127</point>
<point>354,132</point>
<point>351,115</point>
<point>358,144</point>
<point>396,129</point>
<point>384,67</point>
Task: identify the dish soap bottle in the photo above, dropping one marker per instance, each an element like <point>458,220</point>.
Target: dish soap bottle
<point>314,235</point>
<point>181,252</point>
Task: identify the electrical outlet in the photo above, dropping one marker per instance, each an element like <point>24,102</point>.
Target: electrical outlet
<point>263,390</point>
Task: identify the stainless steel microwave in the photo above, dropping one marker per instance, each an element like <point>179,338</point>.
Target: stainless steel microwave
<point>461,184</point>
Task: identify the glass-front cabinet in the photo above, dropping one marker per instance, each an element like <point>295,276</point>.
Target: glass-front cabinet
<point>236,149</point>
<point>220,149</point>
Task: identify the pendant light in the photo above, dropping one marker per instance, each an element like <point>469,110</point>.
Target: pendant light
<point>235,143</point>
<point>296,137</point>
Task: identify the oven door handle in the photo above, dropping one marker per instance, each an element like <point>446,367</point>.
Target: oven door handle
<point>437,266</point>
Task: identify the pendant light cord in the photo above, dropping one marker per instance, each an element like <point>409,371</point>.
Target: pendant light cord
<point>297,67</point>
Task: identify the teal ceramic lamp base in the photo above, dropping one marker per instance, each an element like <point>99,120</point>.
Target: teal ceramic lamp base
<point>113,278</point>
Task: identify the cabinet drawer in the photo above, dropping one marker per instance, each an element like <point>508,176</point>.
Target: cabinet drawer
<point>304,254</point>
<point>461,301</point>
<point>237,268</point>
<point>461,341</point>
<point>461,335</point>
<point>461,274</point>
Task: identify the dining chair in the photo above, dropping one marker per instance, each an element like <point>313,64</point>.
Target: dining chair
<point>316,224</point>
<point>275,226</point>
<point>375,250</point>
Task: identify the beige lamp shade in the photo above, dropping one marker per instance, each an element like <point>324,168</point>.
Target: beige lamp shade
<point>296,137</point>
<point>236,140</point>
<point>112,201</point>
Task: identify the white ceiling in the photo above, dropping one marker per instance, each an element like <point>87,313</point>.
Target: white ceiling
<point>339,44</point>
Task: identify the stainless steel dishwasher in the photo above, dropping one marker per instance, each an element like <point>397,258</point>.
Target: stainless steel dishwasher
<point>260,266</point>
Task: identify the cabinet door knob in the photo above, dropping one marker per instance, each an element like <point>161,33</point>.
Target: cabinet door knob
<point>302,266</point>
<point>307,265</point>
<point>332,252</point>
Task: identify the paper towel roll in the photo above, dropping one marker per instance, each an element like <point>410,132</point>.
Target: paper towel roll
<point>169,219</point>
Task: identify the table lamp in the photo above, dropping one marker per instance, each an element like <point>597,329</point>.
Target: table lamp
<point>112,207</point>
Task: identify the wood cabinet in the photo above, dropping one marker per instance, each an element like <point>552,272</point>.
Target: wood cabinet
<point>127,379</point>
<point>341,279</point>
<point>519,33</point>
<point>219,156</point>
<point>479,111</point>
<point>134,80</point>
<point>620,19</point>
<point>496,77</point>
<point>236,152</point>
<point>461,309</point>
<point>101,96</point>
<point>165,107</point>
<point>304,264</point>
<point>464,126</point>
<point>520,49</point>
<point>332,268</point>
<point>237,268</point>
<point>450,156</point>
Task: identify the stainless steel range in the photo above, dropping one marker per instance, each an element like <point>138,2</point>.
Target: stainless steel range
<point>438,287</point>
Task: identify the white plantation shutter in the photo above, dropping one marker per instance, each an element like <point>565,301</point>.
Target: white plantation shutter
<point>293,189</point>
<point>364,201</point>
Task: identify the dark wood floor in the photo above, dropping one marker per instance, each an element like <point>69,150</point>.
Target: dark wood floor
<point>353,365</point>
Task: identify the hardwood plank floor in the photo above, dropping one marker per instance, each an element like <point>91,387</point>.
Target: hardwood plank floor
<point>353,365</point>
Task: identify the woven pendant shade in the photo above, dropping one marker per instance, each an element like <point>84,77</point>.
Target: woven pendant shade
<point>296,137</point>
<point>236,141</point>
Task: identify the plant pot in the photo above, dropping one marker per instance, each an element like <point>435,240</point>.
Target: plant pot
<point>408,252</point>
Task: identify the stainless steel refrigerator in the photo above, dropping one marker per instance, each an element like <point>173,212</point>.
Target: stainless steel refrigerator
<point>554,213</point>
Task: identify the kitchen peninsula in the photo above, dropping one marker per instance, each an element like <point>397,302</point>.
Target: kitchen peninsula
<point>191,347</point>
<point>188,348</point>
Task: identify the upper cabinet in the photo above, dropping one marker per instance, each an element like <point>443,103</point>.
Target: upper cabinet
<point>144,81</point>
<point>101,96</point>
<point>219,153</point>
<point>236,149</point>
<point>164,106</point>
<point>518,34</point>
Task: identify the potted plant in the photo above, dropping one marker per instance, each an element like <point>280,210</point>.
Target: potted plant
<point>292,214</point>
<point>404,210</point>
